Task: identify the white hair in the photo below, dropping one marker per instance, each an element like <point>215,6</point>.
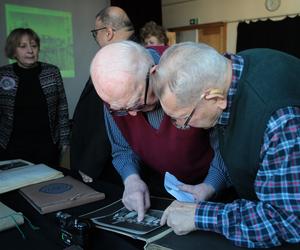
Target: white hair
<point>187,69</point>
<point>122,57</point>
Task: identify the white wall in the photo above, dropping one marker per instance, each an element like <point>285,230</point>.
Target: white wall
<point>177,13</point>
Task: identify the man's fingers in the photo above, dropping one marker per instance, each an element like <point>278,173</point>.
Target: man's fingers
<point>141,212</point>
<point>164,217</point>
<point>140,207</point>
<point>187,188</point>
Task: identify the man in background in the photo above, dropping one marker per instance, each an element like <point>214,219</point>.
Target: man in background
<point>90,149</point>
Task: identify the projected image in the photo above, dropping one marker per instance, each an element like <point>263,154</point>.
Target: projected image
<point>54,29</point>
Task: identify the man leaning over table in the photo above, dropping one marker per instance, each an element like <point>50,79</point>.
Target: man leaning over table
<point>252,100</point>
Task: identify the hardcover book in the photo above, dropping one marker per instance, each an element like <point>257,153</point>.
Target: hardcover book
<point>59,194</point>
<point>15,174</point>
<point>116,218</point>
<point>9,218</point>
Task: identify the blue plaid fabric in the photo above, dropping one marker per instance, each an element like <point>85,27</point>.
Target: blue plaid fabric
<point>275,218</point>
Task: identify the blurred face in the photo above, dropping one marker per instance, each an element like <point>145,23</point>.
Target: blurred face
<point>99,33</point>
<point>203,114</point>
<point>152,40</point>
<point>27,52</point>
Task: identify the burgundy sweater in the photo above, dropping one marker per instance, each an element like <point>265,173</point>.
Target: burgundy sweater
<point>184,153</point>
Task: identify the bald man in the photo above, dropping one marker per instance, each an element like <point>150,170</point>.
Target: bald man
<point>145,143</point>
<point>90,147</point>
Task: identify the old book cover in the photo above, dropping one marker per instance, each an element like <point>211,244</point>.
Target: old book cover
<point>116,218</point>
<point>9,218</point>
<point>15,174</point>
<point>59,194</point>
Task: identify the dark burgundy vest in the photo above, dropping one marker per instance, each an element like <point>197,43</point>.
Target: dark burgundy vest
<point>184,153</point>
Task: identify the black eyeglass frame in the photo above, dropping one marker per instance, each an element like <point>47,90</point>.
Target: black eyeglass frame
<point>188,119</point>
<point>186,123</point>
<point>95,31</point>
<point>123,112</point>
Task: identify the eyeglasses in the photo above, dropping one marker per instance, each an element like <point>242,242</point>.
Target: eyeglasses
<point>95,31</point>
<point>188,119</point>
<point>186,123</point>
<point>137,108</point>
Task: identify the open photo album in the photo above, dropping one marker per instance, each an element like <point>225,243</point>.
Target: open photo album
<point>116,218</point>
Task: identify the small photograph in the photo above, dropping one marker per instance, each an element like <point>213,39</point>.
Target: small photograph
<point>126,220</point>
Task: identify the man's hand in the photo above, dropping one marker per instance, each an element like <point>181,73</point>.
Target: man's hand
<point>136,195</point>
<point>85,177</point>
<point>201,192</point>
<point>180,217</point>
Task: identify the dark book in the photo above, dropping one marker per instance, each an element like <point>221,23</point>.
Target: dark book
<point>59,194</point>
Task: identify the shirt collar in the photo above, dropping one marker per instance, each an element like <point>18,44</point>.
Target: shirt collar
<point>237,69</point>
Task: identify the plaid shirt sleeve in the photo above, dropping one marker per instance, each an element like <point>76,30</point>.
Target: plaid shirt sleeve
<point>275,217</point>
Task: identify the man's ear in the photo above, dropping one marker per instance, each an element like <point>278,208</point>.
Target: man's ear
<point>109,33</point>
<point>218,95</point>
<point>222,103</point>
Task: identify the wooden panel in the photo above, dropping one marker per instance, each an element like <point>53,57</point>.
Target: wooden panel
<point>214,34</point>
<point>172,37</point>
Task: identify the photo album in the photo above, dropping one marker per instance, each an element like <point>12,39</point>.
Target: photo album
<point>116,218</point>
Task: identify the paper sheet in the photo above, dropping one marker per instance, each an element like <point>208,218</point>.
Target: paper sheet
<point>171,185</point>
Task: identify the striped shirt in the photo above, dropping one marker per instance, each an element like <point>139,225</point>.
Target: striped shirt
<point>275,218</point>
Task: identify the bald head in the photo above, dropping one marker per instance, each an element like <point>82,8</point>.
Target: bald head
<point>116,18</point>
<point>119,71</point>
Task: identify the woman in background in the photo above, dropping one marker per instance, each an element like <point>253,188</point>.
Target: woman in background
<point>34,119</point>
<point>153,34</point>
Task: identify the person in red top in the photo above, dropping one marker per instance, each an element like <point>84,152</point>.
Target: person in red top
<point>153,34</point>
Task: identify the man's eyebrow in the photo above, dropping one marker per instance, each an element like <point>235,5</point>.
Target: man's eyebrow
<point>127,106</point>
<point>135,103</point>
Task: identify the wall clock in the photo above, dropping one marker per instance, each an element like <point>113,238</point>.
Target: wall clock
<point>272,5</point>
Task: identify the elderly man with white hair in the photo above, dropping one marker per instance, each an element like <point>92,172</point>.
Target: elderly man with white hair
<point>143,138</point>
<point>252,100</point>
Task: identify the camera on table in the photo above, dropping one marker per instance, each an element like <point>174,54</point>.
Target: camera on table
<point>73,231</point>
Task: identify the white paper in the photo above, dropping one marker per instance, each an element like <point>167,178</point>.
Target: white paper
<point>171,185</point>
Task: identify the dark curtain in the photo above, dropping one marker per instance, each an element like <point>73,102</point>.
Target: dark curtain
<point>282,35</point>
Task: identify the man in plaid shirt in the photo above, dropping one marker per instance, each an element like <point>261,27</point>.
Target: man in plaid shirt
<point>252,100</point>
